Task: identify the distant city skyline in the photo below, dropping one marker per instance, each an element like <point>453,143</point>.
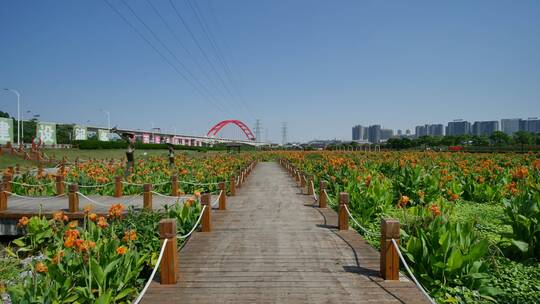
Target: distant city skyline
<point>456,127</point>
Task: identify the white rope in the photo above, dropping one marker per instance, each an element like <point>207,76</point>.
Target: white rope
<point>90,186</point>
<point>43,198</point>
<point>358,224</point>
<point>141,295</point>
<point>198,184</point>
<point>214,204</point>
<point>410,273</point>
<point>135,184</point>
<point>165,195</point>
<point>313,191</point>
<point>237,181</point>
<point>133,198</point>
<point>194,226</point>
<point>93,201</point>
<point>328,198</point>
<point>32,185</point>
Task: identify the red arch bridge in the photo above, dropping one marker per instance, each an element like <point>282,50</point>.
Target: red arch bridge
<point>213,133</point>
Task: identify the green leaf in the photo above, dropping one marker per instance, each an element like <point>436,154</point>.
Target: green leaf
<point>104,298</point>
<point>97,272</point>
<point>19,242</point>
<point>522,246</point>
<point>490,291</point>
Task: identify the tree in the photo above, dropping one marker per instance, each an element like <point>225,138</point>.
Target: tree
<point>4,114</point>
<point>499,138</point>
<point>523,138</point>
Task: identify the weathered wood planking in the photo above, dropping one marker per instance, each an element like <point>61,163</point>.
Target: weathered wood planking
<point>271,246</point>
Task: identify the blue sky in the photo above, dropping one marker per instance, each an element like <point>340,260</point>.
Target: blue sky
<point>320,66</point>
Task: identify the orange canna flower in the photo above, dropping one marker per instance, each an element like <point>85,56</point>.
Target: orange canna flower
<point>69,242</point>
<point>404,200</point>
<point>41,268</point>
<point>102,222</point>
<point>87,209</point>
<point>435,210</point>
<point>130,235</point>
<point>421,194</point>
<point>93,217</point>
<point>520,173</point>
<point>116,211</point>
<point>23,221</point>
<point>58,257</point>
<point>73,224</point>
<point>368,180</point>
<point>121,250</point>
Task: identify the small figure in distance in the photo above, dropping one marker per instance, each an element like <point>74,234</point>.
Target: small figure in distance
<point>170,154</point>
<point>130,151</point>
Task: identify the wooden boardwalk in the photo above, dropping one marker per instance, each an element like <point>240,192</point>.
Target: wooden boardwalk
<point>272,246</point>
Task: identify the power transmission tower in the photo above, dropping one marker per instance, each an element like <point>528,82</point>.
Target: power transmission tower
<point>284,134</point>
<point>258,130</point>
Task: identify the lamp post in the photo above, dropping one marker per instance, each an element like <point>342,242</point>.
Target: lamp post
<point>108,122</point>
<point>18,114</point>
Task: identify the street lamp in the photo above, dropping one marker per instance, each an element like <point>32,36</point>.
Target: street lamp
<point>108,122</point>
<point>18,114</point>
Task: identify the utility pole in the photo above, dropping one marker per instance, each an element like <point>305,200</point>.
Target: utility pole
<point>258,130</point>
<point>284,134</point>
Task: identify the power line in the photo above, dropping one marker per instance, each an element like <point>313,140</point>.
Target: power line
<point>163,57</point>
<point>201,49</point>
<point>172,54</point>
<point>219,54</point>
<point>182,45</point>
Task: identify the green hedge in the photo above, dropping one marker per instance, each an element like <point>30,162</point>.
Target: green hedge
<point>96,145</point>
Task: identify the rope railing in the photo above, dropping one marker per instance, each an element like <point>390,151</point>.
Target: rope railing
<point>358,224</point>
<point>410,272</point>
<point>314,193</point>
<point>31,185</point>
<point>194,226</point>
<point>140,185</point>
<point>329,199</point>
<point>216,201</point>
<point>158,262</point>
<point>92,200</point>
<point>198,184</point>
<point>43,198</point>
<point>89,186</point>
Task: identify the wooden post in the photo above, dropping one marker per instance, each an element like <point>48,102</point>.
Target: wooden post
<point>222,197</point>
<point>3,197</point>
<point>174,185</point>
<point>310,186</point>
<point>40,169</point>
<point>322,195</point>
<point>169,262</point>
<point>239,180</point>
<point>232,185</point>
<point>302,180</point>
<point>206,220</point>
<point>147,196</point>
<point>343,217</point>
<point>118,186</point>
<point>59,184</point>
<point>73,198</point>
<point>389,255</point>
<point>7,182</point>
